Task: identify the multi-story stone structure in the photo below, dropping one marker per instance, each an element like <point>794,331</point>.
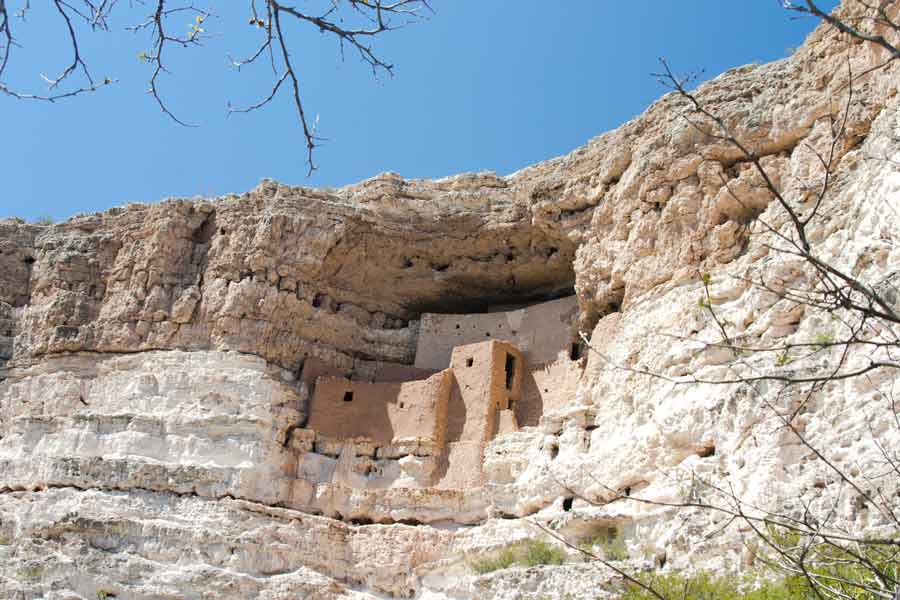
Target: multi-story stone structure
<point>426,426</point>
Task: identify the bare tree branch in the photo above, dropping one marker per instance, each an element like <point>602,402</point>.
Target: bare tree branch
<point>352,23</point>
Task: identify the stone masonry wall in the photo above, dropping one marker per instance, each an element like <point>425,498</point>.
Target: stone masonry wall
<point>480,395</point>
<point>540,331</point>
<point>383,412</point>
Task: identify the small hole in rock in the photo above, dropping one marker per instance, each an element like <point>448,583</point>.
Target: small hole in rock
<point>567,504</point>
<point>575,351</point>
<point>707,451</point>
<point>348,396</point>
<point>470,362</point>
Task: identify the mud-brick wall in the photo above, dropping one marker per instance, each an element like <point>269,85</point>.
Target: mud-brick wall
<point>482,391</point>
<point>382,412</point>
<point>540,331</point>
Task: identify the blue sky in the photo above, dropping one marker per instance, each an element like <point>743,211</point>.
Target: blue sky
<point>483,85</point>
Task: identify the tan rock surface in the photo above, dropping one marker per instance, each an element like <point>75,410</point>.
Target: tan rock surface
<point>150,407</point>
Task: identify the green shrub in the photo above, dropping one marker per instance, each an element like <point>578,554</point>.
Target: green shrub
<point>487,564</point>
<point>528,553</point>
<point>615,549</point>
<point>539,552</point>
<point>704,586</point>
<point>611,544</point>
<point>843,570</point>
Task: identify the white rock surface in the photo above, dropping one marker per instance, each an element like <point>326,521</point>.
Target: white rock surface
<point>150,398</point>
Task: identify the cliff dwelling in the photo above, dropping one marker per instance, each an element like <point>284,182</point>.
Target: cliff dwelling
<point>378,391</point>
<point>426,425</point>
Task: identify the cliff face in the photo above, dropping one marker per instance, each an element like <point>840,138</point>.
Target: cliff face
<point>281,272</point>
<point>152,357</point>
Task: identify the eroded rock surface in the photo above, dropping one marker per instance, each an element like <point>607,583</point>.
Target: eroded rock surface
<point>153,409</point>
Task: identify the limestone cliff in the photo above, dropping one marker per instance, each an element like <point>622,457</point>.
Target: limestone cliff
<point>155,360</point>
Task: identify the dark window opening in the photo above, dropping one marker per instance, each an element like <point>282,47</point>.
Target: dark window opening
<point>348,396</point>
<point>470,362</point>
<point>510,370</point>
<point>457,325</point>
<point>554,451</point>
<point>575,351</point>
<point>401,405</point>
<point>317,301</point>
<point>707,451</point>
<point>567,504</point>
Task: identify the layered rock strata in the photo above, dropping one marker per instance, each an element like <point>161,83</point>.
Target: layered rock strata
<point>151,357</point>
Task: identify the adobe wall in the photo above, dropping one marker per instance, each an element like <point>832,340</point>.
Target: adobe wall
<point>363,370</point>
<point>382,412</point>
<point>547,388</point>
<point>454,413</point>
<point>478,407</point>
<point>479,391</point>
<point>540,331</point>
